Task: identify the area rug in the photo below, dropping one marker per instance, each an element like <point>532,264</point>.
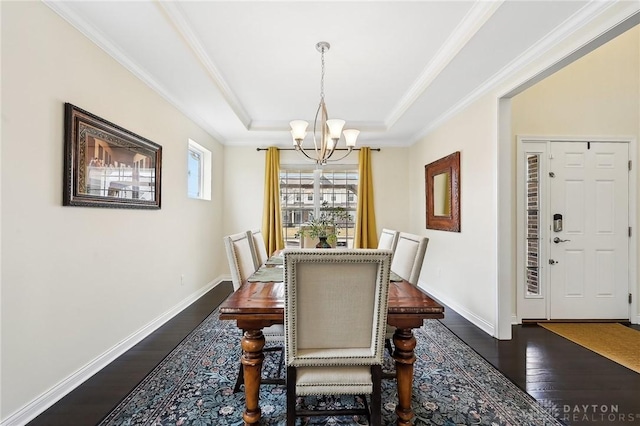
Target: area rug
<point>453,385</point>
<point>611,340</point>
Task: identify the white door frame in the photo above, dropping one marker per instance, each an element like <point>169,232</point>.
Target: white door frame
<point>632,196</point>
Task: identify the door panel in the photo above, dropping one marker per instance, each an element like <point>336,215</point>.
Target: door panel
<point>589,279</point>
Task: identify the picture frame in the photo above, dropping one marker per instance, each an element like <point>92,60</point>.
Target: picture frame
<point>442,192</point>
<point>106,165</point>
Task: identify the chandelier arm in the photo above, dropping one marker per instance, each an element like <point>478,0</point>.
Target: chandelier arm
<point>304,152</point>
<point>324,132</point>
<point>315,124</point>
<point>338,159</point>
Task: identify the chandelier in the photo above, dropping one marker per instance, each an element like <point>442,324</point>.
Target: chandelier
<point>326,132</point>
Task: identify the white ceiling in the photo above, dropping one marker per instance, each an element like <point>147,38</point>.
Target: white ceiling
<point>243,69</point>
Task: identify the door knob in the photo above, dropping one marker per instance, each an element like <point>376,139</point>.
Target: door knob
<point>552,262</point>
<point>559,240</point>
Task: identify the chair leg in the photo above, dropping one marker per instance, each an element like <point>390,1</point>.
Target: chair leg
<point>291,396</point>
<point>281,362</point>
<point>376,396</point>
<point>239,380</point>
<point>387,344</point>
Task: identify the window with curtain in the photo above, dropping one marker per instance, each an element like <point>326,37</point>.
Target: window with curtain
<point>305,191</point>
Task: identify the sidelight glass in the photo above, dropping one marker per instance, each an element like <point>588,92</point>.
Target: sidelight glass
<point>532,220</point>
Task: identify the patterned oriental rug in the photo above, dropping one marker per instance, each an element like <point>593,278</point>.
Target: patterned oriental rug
<point>453,385</point>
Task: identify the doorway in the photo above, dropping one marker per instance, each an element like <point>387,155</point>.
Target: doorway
<point>574,211</point>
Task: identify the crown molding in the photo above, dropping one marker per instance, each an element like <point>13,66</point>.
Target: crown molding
<point>475,19</point>
<point>112,50</point>
<point>280,126</point>
<point>176,16</point>
<point>580,19</point>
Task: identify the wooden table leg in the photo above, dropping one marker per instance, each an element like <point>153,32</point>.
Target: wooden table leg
<point>405,343</point>
<point>252,358</point>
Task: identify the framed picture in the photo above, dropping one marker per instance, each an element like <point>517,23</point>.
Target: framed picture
<point>442,183</point>
<point>108,166</point>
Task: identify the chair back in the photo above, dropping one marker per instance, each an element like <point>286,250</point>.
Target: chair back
<point>260,247</point>
<point>335,306</point>
<point>388,239</point>
<point>241,257</point>
<point>408,256</point>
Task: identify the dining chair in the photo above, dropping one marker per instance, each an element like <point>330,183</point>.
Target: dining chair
<point>334,344</point>
<point>241,256</point>
<point>408,256</point>
<point>407,263</point>
<point>260,247</point>
<point>388,239</point>
<point>242,261</point>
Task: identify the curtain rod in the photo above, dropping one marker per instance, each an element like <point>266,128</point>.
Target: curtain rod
<point>337,149</point>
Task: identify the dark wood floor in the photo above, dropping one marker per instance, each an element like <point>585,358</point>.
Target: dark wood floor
<point>584,388</point>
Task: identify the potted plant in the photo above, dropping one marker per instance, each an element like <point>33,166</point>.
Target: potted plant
<point>324,227</point>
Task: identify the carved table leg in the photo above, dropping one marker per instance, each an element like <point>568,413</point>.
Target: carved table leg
<point>252,358</point>
<point>405,343</point>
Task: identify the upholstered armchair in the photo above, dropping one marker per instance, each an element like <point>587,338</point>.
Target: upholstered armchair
<point>335,320</point>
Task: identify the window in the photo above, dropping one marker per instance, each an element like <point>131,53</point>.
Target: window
<point>339,185</point>
<point>198,171</point>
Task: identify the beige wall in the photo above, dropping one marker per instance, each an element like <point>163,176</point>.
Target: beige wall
<point>244,174</point>
<point>595,96</point>
<point>469,271</point>
<point>598,95</point>
<point>459,268</point>
<point>77,281</point>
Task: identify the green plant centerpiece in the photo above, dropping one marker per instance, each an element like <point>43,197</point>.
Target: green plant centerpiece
<point>325,226</point>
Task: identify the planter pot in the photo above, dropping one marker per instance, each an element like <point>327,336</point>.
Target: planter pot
<point>323,243</point>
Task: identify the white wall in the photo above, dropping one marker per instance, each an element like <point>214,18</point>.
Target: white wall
<point>78,281</point>
<point>244,191</point>
<point>598,95</point>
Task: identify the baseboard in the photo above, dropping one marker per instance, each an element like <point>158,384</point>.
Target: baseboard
<point>469,316</point>
<point>57,392</point>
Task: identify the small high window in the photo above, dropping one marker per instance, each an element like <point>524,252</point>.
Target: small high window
<point>198,172</point>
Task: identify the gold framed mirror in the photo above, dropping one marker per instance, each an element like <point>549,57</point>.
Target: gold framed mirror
<point>442,183</point>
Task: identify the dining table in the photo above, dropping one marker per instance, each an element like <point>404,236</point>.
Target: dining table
<point>259,303</point>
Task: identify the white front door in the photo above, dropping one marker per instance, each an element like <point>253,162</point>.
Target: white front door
<point>589,238</point>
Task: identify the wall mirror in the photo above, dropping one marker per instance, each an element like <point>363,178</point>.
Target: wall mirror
<point>442,182</point>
